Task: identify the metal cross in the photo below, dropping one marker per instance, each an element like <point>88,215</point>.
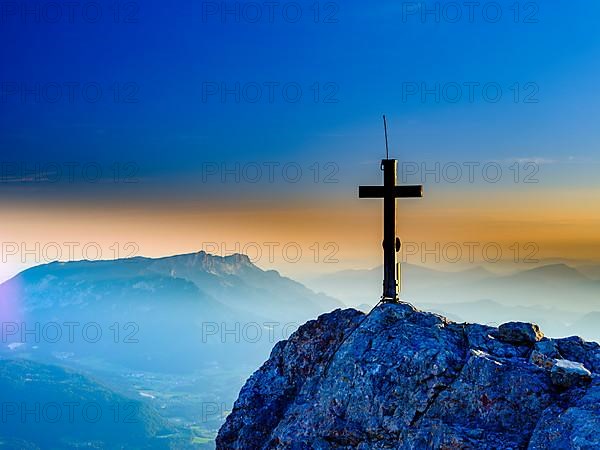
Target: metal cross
<point>391,243</point>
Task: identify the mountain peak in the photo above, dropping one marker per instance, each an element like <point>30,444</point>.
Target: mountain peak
<point>403,378</point>
<point>235,256</point>
<point>557,270</point>
<point>208,260</point>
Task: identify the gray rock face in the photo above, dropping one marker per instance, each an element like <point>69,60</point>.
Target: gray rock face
<point>406,379</point>
<point>568,373</point>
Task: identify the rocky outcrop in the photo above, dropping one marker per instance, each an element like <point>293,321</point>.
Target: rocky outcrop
<point>519,333</point>
<point>403,378</point>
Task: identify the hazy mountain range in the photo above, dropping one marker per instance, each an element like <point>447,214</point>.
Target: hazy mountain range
<point>152,313</point>
<point>179,333</point>
<point>559,297</point>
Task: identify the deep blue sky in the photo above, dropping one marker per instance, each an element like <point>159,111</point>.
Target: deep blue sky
<point>367,53</point>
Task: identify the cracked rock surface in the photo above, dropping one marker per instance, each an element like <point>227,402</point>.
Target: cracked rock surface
<point>406,379</point>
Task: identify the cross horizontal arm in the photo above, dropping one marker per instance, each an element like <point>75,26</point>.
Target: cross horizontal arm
<point>408,191</point>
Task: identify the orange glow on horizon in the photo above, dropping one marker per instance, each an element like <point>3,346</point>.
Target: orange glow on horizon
<point>332,234</point>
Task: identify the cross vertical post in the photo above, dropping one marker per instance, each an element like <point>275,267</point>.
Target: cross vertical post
<point>390,262</point>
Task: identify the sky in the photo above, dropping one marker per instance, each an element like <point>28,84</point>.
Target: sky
<point>147,128</point>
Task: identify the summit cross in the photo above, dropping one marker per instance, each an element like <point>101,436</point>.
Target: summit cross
<point>391,243</point>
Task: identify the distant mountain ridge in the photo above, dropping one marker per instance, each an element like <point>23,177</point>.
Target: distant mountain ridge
<point>212,275</point>
<point>165,303</point>
<point>555,295</point>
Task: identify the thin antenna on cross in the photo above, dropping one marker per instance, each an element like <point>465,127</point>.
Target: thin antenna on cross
<point>387,151</point>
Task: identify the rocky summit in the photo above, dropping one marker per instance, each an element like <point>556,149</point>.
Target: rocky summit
<point>407,379</point>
